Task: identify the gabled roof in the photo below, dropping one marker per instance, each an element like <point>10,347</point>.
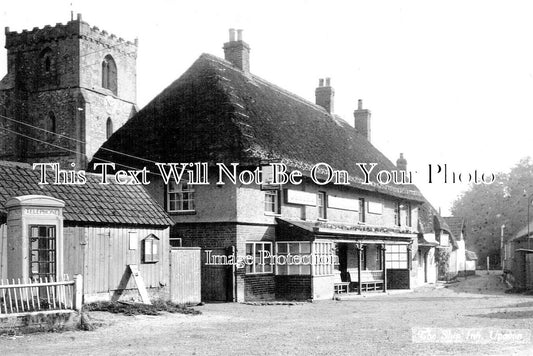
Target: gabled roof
<point>86,203</point>
<point>457,226</point>
<point>523,232</point>
<point>470,255</point>
<point>216,113</point>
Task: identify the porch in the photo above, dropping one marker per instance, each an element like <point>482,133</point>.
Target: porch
<point>365,261</point>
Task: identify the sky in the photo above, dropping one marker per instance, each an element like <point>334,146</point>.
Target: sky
<point>447,82</point>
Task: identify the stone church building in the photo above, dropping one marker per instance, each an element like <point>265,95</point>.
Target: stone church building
<point>67,89</point>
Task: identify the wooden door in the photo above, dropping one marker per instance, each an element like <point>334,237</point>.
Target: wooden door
<point>216,279</point>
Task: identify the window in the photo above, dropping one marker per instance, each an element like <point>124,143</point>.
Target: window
<point>272,201</point>
<point>261,262</point>
<point>321,205</point>
<point>150,249</point>
<point>324,259</point>
<point>50,125</point>
<point>291,260</point>
<point>175,241</point>
<point>407,207</point>
<point>180,197</point>
<point>379,252</point>
<point>362,210</point>
<point>396,257</point>
<point>42,251</point>
<point>363,257</point>
<point>46,60</point>
<point>109,74</point>
<point>397,218</point>
<point>108,128</point>
<point>47,64</point>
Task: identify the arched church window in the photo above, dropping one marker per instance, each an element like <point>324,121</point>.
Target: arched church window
<point>109,128</point>
<point>109,74</point>
<point>46,60</point>
<point>50,123</point>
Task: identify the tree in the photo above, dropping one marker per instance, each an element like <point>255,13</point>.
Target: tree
<point>487,207</point>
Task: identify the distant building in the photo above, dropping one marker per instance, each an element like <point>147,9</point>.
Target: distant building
<point>67,89</point>
<point>219,112</point>
<point>462,262</point>
<point>518,259</point>
<point>434,236</point>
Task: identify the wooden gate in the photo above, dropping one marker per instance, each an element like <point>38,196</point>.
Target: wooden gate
<point>185,278</point>
<point>216,279</point>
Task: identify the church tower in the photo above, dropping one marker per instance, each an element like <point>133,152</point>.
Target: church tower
<point>75,81</point>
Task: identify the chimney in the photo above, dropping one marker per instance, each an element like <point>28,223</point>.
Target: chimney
<point>401,163</point>
<point>237,51</point>
<point>362,121</point>
<point>324,95</point>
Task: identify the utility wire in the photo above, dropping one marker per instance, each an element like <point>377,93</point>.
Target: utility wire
<point>67,149</point>
<point>76,140</point>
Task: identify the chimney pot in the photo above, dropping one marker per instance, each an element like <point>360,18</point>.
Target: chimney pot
<point>401,163</point>
<point>324,95</point>
<point>362,121</point>
<point>237,52</point>
<point>6,30</point>
<point>79,17</point>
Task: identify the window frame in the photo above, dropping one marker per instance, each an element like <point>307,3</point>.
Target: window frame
<point>322,248</point>
<point>276,208</point>
<point>148,244</point>
<point>397,214</point>
<point>321,205</point>
<point>178,197</point>
<point>110,74</point>
<point>301,266</point>
<point>50,241</point>
<point>266,268</point>
<point>408,215</point>
<point>362,210</point>
<point>109,128</point>
<point>394,259</point>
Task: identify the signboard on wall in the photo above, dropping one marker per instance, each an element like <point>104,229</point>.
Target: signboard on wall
<point>375,207</point>
<point>343,203</point>
<point>299,197</point>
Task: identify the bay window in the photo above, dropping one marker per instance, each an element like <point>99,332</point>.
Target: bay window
<point>261,262</point>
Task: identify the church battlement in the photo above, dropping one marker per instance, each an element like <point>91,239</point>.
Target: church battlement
<point>77,28</point>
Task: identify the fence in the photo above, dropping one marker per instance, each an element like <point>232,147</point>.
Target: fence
<point>29,295</point>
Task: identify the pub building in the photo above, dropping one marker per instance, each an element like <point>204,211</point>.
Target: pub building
<point>219,112</point>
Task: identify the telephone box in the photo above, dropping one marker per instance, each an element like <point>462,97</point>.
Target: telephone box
<point>35,237</point>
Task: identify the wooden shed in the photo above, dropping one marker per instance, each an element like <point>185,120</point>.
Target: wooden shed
<point>106,228</point>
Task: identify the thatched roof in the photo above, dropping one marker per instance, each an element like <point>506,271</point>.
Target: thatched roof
<point>216,113</point>
<point>430,220</point>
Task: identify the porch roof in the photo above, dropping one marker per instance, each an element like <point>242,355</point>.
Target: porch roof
<point>347,233</point>
<point>425,243</point>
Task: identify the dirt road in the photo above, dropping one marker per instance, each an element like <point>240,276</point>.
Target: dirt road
<point>374,324</point>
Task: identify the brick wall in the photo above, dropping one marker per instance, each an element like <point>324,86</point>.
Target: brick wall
<point>259,287</point>
<point>398,279</point>
<point>293,287</point>
<point>206,235</point>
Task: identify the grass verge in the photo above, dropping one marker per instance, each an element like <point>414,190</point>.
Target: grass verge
<point>156,308</point>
